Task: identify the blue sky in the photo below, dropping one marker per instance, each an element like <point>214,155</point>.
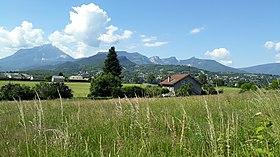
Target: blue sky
<point>236,33</point>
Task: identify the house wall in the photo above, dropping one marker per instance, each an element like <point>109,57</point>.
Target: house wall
<point>170,88</point>
<point>196,87</point>
<point>58,79</point>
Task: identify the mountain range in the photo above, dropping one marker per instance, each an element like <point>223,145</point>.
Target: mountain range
<point>91,63</point>
<point>272,68</point>
<point>25,59</point>
<point>209,65</point>
<point>52,58</point>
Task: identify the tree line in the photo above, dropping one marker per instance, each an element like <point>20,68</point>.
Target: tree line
<point>42,91</point>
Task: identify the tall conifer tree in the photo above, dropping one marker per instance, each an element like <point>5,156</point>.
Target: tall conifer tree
<point>112,64</point>
<point>109,83</point>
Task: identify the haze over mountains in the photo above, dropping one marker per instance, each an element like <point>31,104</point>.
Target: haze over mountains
<point>50,57</point>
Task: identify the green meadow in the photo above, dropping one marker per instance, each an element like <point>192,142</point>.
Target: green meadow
<point>229,89</point>
<point>229,124</point>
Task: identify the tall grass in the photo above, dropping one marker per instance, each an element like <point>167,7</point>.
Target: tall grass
<point>224,125</point>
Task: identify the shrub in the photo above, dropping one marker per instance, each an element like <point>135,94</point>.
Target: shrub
<point>105,85</point>
<point>219,82</point>
<point>203,92</point>
<point>247,87</point>
<point>209,89</point>
<point>52,90</point>
<point>240,83</point>
<point>148,91</point>
<point>155,91</point>
<point>132,91</point>
<point>164,91</point>
<point>16,91</point>
<point>275,84</point>
<point>152,91</point>
<point>221,91</point>
<point>185,90</point>
<point>117,92</point>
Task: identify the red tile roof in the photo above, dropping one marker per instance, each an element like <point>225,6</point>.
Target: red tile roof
<point>174,79</point>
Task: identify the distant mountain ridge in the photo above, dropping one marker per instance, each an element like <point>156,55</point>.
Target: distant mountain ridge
<point>31,58</point>
<point>89,63</point>
<point>209,65</point>
<point>50,57</point>
<point>164,61</point>
<point>272,68</point>
<point>134,57</point>
<point>205,64</point>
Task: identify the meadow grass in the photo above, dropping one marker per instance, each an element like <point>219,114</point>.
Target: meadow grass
<point>245,124</point>
<point>80,89</point>
<point>229,89</point>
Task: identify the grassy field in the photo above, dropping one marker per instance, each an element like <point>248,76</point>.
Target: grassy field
<point>229,89</point>
<point>80,89</point>
<point>231,124</point>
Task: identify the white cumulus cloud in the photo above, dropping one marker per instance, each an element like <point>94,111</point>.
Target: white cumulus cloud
<point>196,30</point>
<point>88,22</point>
<point>23,36</point>
<point>278,58</point>
<point>61,40</point>
<point>111,38</point>
<point>269,45</point>
<point>155,44</point>
<point>218,53</point>
<point>88,27</point>
<point>151,41</point>
<point>272,45</point>
<point>225,62</point>
<point>275,46</point>
<point>148,39</point>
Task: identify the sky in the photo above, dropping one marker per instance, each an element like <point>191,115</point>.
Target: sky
<point>237,33</point>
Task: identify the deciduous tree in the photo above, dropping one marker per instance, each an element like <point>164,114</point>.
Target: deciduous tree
<point>104,85</point>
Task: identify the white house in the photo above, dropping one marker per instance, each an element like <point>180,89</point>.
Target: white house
<point>58,79</point>
<point>76,78</point>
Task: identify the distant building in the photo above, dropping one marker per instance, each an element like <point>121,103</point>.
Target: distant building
<point>25,76</point>
<point>37,78</point>
<point>2,76</point>
<point>13,76</point>
<point>58,79</point>
<point>77,78</point>
<point>175,82</point>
